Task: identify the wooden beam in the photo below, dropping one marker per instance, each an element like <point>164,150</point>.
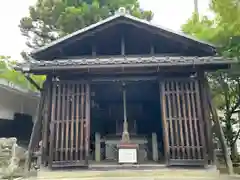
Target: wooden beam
<point>152,49</point>
<point>123,67</point>
<point>36,133</point>
<point>46,118</point>
<point>94,52</point>
<point>51,127</point>
<point>125,79</point>
<point>97,147</point>
<point>219,132</point>
<point>88,121</point>
<point>201,121</point>
<point>206,117</point>
<point>123,45</point>
<point>28,77</point>
<point>164,121</point>
<point>76,38</point>
<point>174,37</point>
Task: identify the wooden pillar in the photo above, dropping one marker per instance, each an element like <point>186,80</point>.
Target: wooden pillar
<point>125,133</point>
<point>154,147</point>
<point>164,121</point>
<point>46,119</point>
<point>87,134</point>
<point>94,52</point>
<point>51,122</point>
<point>206,117</point>
<point>36,131</point>
<point>201,122</point>
<point>123,46</point>
<point>152,50</point>
<point>97,147</point>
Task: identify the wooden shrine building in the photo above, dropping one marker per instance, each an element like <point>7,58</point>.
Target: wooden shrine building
<point>124,75</point>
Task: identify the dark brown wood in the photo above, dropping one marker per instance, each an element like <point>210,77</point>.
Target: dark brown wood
<point>186,118</point>
<point>28,77</point>
<point>45,125</point>
<point>170,114</point>
<point>63,109</point>
<point>152,49</point>
<point>48,120</point>
<point>122,45</point>
<point>179,114</point>
<point>127,68</point>
<point>174,37</point>
<point>67,123</point>
<point>77,121</point>
<point>195,119</point>
<point>206,117</point>
<point>202,138</point>
<point>184,122</point>
<point>87,125</point>
<point>36,130</point>
<point>175,120</point>
<point>58,106</point>
<point>190,119</point>
<point>52,128</point>
<point>164,121</point>
<point>70,123</point>
<point>82,122</point>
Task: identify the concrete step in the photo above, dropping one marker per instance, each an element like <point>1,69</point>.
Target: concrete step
<point>166,173</point>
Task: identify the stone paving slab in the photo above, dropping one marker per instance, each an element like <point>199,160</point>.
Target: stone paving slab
<point>135,175</point>
<point>172,174</point>
<point>225,177</point>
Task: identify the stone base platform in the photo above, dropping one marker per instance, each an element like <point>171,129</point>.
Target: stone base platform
<point>125,174</point>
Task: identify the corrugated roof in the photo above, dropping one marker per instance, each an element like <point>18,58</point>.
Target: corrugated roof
<point>115,17</point>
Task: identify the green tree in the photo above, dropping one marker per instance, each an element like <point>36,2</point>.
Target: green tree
<point>9,74</point>
<point>224,32</point>
<point>51,19</point>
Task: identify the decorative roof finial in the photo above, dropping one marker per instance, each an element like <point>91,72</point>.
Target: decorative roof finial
<point>122,10</point>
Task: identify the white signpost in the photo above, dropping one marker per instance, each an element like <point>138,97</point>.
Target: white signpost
<point>127,155</point>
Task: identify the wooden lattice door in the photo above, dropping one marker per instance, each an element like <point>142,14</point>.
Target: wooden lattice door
<point>183,123</point>
<point>70,124</point>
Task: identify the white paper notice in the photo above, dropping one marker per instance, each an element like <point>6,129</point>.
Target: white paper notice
<point>127,155</point>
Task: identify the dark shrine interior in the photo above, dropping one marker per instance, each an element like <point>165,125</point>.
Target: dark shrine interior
<point>142,104</point>
<point>20,127</point>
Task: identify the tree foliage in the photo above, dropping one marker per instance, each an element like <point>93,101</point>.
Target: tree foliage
<point>9,74</point>
<point>51,19</point>
<point>223,31</point>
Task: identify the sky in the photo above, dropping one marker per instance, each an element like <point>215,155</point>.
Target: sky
<point>167,13</point>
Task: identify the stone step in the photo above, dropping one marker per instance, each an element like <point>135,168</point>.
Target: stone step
<point>165,173</point>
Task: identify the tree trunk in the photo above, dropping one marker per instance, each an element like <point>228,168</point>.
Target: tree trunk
<point>234,151</point>
<point>234,148</point>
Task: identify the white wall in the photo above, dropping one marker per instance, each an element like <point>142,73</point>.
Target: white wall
<point>6,113</point>
<point>13,100</point>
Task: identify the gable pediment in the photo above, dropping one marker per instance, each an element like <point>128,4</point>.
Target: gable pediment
<point>105,36</point>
